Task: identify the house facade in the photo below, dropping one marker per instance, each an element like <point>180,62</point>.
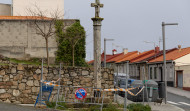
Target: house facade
<point>177,68</point>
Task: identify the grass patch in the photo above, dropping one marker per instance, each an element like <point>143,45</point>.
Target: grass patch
<point>24,62</point>
<point>138,107</point>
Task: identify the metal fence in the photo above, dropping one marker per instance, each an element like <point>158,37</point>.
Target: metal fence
<point>80,95</point>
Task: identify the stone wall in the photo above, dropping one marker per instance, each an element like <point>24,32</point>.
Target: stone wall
<point>21,83</point>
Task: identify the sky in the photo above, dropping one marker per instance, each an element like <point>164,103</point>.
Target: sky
<point>131,22</point>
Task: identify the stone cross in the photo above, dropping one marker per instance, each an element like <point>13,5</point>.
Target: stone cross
<point>97,6</point>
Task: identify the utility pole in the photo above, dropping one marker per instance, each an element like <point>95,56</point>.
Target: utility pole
<point>164,55</point>
<point>97,42</point>
<point>105,50</point>
<point>11,7</point>
<point>126,86</point>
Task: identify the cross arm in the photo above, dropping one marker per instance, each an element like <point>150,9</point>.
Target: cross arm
<point>95,4</point>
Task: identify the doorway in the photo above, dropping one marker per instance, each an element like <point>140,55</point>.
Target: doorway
<point>179,75</point>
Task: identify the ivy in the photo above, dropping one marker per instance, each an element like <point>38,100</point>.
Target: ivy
<point>65,39</point>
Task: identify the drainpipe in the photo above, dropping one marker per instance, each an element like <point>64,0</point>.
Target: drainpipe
<point>11,7</point>
<point>173,64</point>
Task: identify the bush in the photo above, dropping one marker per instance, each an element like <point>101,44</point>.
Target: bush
<point>138,107</point>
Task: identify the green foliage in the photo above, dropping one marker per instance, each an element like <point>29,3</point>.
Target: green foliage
<point>73,34</point>
<point>138,107</point>
<point>111,107</point>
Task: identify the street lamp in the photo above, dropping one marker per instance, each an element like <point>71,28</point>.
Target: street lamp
<point>164,55</point>
<point>105,49</point>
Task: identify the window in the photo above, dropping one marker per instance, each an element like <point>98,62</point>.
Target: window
<point>150,72</point>
<point>155,72</point>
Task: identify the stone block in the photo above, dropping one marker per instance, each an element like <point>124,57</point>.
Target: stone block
<point>10,91</point>
<point>13,70</point>
<point>105,75</point>
<point>24,80</point>
<point>38,71</point>
<point>16,93</point>
<point>2,72</point>
<point>11,76</point>
<point>15,83</point>
<point>13,87</point>
<point>85,73</point>
<point>69,82</point>
<point>36,83</point>
<point>55,71</point>
<point>20,67</point>
<point>21,86</point>
<point>73,74</point>
<point>7,101</point>
<point>27,101</point>
<point>37,77</point>
<point>27,91</point>
<point>2,91</point>
<point>18,77</point>
<point>30,83</point>
<point>5,95</point>
<point>35,89</point>
<point>6,78</point>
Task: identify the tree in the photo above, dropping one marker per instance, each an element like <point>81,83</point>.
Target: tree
<point>45,26</point>
<point>71,44</point>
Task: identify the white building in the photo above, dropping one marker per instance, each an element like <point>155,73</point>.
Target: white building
<point>20,7</point>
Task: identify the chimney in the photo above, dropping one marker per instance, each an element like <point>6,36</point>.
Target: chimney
<point>157,49</point>
<point>125,51</point>
<point>179,47</point>
<point>114,51</point>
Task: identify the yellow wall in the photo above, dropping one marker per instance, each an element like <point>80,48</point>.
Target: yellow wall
<point>48,6</point>
<point>186,74</point>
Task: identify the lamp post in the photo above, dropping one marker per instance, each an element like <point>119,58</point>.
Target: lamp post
<point>105,50</point>
<point>164,55</point>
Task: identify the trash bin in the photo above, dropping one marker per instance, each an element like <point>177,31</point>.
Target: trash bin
<point>139,97</point>
<point>152,90</point>
<point>161,89</point>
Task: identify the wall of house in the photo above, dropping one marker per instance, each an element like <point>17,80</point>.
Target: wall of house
<point>155,70</point>
<point>19,39</point>
<point>21,83</point>
<point>5,9</point>
<point>186,76</point>
<point>185,60</point>
<point>47,6</point>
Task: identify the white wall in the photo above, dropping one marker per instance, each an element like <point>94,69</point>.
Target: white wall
<point>49,6</point>
<point>185,60</point>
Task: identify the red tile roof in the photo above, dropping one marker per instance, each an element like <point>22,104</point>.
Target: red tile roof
<point>173,55</point>
<point>143,56</point>
<point>123,56</point>
<point>23,18</point>
<point>108,57</point>
<point>128,57</point>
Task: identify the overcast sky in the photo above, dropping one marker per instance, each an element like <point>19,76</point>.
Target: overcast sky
<point>130,22</point>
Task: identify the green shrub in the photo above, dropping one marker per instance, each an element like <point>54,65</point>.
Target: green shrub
<point>138,107</point>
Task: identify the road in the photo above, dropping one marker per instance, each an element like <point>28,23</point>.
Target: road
<point>179,101</point>
<point>13,107</point>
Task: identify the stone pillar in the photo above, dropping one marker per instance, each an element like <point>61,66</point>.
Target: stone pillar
<point>97,50</point>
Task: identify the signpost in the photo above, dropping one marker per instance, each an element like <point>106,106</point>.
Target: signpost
<point>80,93</point>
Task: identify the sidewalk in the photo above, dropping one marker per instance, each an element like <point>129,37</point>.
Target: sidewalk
<point>157,107</point>
<point>179,92</point>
